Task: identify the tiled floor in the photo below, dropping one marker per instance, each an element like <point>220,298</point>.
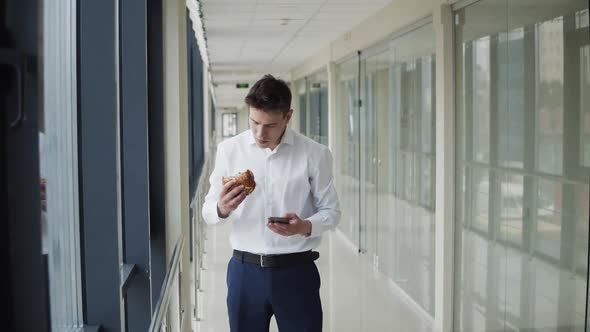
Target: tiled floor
<point>354,296</point>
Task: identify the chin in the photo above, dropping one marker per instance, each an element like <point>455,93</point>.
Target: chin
<point>262,145</point>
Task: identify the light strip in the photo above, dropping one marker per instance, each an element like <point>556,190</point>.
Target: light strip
<point>194,7</point>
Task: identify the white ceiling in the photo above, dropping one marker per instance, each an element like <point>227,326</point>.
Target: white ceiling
<point>249,38</point>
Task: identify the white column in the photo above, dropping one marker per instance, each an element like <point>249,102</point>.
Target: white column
<point>445,168</point>
<point>176,151</point>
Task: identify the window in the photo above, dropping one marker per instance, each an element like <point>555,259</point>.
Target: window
<point>229,124</point>
<point>522,180</point>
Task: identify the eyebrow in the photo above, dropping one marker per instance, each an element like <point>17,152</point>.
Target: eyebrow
<point>268,124</point>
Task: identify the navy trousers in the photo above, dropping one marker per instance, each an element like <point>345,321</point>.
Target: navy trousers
<point>291,294</point>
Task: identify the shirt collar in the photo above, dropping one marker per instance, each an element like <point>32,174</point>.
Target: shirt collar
<point>288,137</point>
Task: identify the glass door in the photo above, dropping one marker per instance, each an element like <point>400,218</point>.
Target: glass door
<point>346,154</point>
<point>376,100</point>
<point>368,157</point>
<point>398,159</point>
<point>380,67</point>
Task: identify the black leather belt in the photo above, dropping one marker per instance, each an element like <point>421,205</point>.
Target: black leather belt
<point>281,260</point>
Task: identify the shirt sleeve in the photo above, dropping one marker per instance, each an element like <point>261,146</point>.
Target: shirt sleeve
<point>209,210</point>
<point>325,198</point>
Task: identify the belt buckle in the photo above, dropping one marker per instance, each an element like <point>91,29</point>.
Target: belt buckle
<point>261,260</point>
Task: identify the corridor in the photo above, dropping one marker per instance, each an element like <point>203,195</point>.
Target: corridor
<point>454,133</point>
<point>355,296</point>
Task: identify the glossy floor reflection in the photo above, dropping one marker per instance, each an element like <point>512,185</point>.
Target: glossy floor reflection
<point>355,297</point>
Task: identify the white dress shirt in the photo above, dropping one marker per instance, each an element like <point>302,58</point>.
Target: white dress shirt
<point>294,177</point>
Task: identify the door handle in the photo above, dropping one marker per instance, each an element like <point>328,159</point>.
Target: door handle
<point>17,61</point>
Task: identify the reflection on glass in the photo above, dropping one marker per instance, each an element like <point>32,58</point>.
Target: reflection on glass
<point>427,96</point>
<point>311,94</point>
<point>511,103</point>
<point>511,208</point>
<point>301,95</point>
<point>581,216</point>
<point>409,176</point>
<point>368,156</point>
<point>385,161</point>
<point>427,180</point>
<point>548,218</point>
<point>318,107</point>
<point>43,188</point>
<point>522,166</point>
<point>346,154</point>
<point>549,85</point>
<point>585,103</point>
<point>481,99</point>
<point>480,198</point>
<point>398,125</point>
<point>582,19</point>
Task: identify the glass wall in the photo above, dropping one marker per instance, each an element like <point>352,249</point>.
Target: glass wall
<point>318,107</point>
<point>522,171</point>
<point>398,95</point>
<point>385,163</point>
<point>346,154</point>
<point>300,97</point>
<point>312,99</point>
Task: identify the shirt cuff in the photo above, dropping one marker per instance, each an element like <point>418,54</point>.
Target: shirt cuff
<point>317,225</point>
<point>213,218</point>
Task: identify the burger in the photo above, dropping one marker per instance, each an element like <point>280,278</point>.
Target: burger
<point>245,179</point>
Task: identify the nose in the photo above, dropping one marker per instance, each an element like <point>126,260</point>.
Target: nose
<point>261,133</point>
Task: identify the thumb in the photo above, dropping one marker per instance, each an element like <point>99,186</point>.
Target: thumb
<point>291,215</point>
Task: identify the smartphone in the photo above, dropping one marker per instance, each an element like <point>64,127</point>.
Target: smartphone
<point>279,220</point>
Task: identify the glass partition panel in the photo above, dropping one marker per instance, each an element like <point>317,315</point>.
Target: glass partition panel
<point>318,107</point>
<point>522,174</point>
<point>397,169</point>
<point>346,153</point>
<point>301,95</point>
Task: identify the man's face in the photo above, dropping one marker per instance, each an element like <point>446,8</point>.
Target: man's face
<point>268,127</point>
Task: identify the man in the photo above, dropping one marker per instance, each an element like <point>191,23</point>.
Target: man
<point>272,271</point>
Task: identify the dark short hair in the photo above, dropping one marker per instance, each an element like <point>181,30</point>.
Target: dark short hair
<point>269,95</point>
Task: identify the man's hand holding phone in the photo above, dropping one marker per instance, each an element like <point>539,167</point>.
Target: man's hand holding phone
<point>294,226</point>
<point>230,198</point>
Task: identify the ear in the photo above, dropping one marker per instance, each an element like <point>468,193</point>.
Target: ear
<point>289,115</point>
